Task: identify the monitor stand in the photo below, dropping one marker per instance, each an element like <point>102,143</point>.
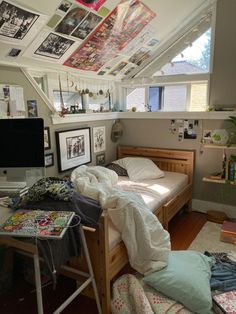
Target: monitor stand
<point>14,179</point>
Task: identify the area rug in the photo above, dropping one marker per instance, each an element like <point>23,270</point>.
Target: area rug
<point>208,239</point>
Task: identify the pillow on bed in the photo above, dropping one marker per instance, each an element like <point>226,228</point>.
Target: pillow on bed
<point>118,169</point>
<point>185,279</point>
<point>139,168</point>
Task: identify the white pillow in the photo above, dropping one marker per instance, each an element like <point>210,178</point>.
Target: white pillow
<point>139,168</point>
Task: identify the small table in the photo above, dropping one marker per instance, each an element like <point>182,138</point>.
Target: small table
<point>32,249</point>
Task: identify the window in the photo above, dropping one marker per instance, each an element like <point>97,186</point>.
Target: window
<point>179,85</point>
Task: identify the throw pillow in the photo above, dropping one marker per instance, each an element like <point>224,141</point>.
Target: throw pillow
<point>185,279</point>
<point>139,168</point>
<point>118,169</point>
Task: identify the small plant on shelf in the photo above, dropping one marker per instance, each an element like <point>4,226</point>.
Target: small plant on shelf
<point>232,132</point>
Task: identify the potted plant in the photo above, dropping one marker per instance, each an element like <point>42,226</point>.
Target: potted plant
<point>232,133</point>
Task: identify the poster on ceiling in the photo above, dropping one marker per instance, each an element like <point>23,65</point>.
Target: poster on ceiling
<point>16,23</point>
<point>72,19</point>
<point>92,4</point>
<point>54,46</point>
<point>121,26</point>
<point>87,25</point>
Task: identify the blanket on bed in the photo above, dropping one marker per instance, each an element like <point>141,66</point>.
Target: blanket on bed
<point>147,243</point>
<point>131,295</point>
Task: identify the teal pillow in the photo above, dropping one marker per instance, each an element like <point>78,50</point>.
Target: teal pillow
<point>185,279</point>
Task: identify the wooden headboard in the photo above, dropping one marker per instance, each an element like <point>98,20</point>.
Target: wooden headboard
<point>166,159</point>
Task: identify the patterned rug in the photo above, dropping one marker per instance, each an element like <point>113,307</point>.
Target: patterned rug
<point>208,239</point>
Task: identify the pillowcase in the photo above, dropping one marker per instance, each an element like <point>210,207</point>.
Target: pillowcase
<point>118,169</point>
<point>139,168</point>
<point>186,279</point>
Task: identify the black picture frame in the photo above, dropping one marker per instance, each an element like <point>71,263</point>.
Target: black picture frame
<point>100,159</point>
<point>47,138</point>
<point>73,148</point>
<point>49,160</point>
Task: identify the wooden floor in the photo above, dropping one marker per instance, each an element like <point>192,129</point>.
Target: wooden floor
<point>21,299</point>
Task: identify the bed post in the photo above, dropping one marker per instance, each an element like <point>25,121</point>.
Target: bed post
<point>104,278</point>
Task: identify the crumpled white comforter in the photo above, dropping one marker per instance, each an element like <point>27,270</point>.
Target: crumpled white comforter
<point>147,243</point>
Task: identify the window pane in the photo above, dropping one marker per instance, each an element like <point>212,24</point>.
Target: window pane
<point>198,97</point>
<point>175,98</point>
<point>194,59</point>
<point>135,98</point>
<point>155,98</point>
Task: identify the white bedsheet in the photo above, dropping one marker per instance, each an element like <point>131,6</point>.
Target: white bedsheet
<point>153,192</point>
<point>147,243</point>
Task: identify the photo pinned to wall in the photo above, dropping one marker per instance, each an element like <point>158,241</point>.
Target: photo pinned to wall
<point>92,4</point>
<point>206,136</point>
<point>189,130</point>
<point>100,159</point>
<point>47,139</point>
<point>73,148</point>
<point>54,46</point>
<point>118,68</point>
<point>99,139</point>
<point>49,160</point>
<point>64,6</point>
<point>32,108</point>
<point>72,19</point>
<point>14,52</point>
<point>15,21</point>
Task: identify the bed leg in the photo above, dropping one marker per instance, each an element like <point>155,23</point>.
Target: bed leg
<point>188,206</point>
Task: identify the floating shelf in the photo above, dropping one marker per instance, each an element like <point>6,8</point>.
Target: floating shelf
<point>219,181</point>
<point>233,146</point>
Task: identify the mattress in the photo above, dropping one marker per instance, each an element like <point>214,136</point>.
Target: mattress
<point>154,193</point>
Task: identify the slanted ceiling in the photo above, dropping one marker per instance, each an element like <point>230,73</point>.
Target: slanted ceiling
<point>107,39</point>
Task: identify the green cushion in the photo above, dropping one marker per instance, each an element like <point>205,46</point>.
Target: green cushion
<point>185,279</point>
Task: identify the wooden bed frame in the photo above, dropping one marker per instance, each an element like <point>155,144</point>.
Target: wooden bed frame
<point>107,264</point>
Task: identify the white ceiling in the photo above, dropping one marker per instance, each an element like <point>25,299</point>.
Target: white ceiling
<point>172,18</point>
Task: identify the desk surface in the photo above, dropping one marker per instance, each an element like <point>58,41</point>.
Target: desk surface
<point>5,213</point>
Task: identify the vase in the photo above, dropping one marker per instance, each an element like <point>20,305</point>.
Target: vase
<point>220,137</point>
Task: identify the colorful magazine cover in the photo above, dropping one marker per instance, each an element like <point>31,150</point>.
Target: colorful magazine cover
<point>37,223</point>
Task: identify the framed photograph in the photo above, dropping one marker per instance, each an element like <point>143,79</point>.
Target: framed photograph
<point>47,140</point>
<point>99,139</point>
<point>49,160</point>
<point>100,159</point>
<point>73,148</point>
<point>32,108</point>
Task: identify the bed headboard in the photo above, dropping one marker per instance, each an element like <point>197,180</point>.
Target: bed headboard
<point>166,159</point>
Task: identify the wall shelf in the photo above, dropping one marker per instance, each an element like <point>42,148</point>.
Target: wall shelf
<point>233,146</point>
<point>219,181</point>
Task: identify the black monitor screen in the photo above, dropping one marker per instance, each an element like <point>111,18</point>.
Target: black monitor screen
<point>22,142</point>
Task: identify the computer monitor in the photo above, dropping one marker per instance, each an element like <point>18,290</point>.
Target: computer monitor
<point>22,150</point>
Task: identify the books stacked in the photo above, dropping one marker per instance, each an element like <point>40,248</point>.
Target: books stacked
<point>228,232</point>
<point>225,302</point>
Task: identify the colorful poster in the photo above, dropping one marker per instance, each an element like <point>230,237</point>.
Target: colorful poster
<point>54,46</point>
<point>123,24</point>
<point>14,21</point>
<point>92,4</point>
<point>72,19</point>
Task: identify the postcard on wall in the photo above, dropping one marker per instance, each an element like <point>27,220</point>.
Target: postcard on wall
<point>92,4</point>
<point>99,139</point>
<point>17,22</point>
